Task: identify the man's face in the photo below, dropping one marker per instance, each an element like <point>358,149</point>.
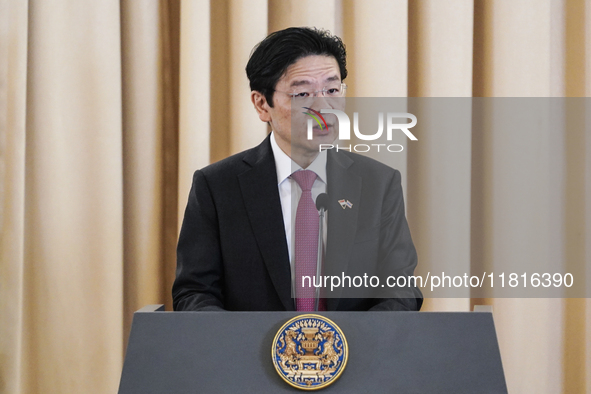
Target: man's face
<point>309,74</point>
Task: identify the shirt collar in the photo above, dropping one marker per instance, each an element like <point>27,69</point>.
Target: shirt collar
<point>285,166</point>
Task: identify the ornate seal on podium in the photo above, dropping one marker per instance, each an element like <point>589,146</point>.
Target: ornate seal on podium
<point>310,352</point>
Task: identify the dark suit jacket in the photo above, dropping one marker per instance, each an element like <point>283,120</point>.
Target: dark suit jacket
<point>232,252</point>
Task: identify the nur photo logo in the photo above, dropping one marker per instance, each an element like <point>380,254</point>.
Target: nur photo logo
<point>391,119</point>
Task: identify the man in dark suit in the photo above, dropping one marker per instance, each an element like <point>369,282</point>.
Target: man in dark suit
<point>236,249</point>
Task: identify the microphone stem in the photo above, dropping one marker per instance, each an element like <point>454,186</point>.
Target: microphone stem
<point>319,257</point>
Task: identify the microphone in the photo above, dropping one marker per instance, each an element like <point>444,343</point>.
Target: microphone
<point>322,206</point>
<point>322,202</point>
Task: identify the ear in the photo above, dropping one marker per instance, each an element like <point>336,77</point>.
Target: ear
<point>260,105</point>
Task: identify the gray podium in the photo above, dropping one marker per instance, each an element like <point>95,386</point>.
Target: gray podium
<point>230,352</point>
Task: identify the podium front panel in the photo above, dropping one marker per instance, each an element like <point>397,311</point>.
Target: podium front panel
<point>389,352</point>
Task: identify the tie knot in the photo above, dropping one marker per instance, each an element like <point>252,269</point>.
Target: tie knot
<point>304,178</point>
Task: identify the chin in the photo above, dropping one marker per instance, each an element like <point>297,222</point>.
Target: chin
<point>314,145</point>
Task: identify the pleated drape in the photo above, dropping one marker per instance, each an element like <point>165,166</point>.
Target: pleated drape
<point>63,242</point>
<point>442,161</point>
<point>13,97</point>
<point>107,108</point>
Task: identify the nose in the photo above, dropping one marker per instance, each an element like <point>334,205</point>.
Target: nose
<point>320,101</point>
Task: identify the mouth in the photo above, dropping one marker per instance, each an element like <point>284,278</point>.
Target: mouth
<point>323,131</point>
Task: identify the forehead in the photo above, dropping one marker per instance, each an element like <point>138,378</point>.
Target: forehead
<point>311,69</point>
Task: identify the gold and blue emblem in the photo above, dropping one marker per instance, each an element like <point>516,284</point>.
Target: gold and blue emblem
<point>310,352</point>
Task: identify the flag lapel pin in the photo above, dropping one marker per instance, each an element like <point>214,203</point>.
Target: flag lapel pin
<point>346,204</point>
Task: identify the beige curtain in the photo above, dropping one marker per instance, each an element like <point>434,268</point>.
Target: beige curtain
<point>107,107</point>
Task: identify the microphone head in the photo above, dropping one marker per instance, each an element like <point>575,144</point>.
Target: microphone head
<point>322,202</point>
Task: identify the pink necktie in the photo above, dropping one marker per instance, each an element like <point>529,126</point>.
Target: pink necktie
<point>306,242</point>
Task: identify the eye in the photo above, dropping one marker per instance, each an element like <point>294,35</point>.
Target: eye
<point>301,95</point>
<point>333,91</point>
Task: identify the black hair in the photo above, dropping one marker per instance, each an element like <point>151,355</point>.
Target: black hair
<point>271,57</point>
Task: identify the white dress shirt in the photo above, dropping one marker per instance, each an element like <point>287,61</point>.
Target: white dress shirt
<point>289,203</point>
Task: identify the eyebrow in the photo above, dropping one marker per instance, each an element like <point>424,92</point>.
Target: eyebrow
<point>305,82</point>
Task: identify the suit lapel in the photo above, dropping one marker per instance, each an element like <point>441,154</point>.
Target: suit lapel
<point>342,223</point>
<point>261,198</point>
